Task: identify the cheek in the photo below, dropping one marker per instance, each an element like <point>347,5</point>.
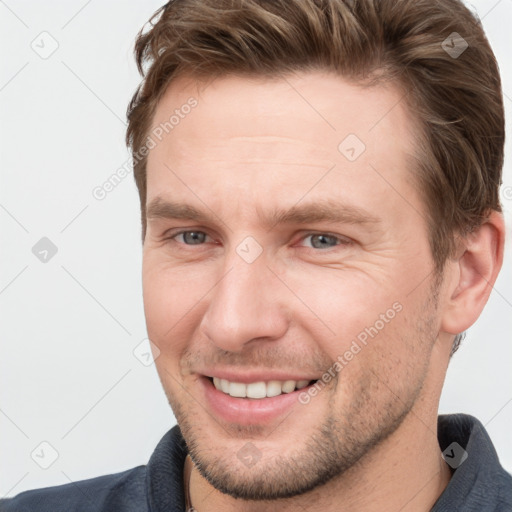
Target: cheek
<point>374,338</point>
<point>347,305</point>
<point>171,300</point>
<point>166,303</point>
<point>175,300</point>
<point>380,372</point>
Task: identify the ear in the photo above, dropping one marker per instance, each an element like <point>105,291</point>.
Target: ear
<point>473,274</point>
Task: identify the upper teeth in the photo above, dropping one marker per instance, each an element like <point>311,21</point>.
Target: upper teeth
<point>258,389</point>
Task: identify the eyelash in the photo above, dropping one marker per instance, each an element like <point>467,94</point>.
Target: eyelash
<point>341,241</point>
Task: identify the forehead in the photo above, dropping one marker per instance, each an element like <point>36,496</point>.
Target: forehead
<point>242,105</point>
<point>249,136</point>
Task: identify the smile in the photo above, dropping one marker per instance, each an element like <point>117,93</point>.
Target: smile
<point>258,390</point>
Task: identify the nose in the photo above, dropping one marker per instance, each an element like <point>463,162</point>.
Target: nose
<point>246,305</point>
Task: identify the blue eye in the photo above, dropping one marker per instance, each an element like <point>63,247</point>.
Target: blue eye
<point>192,237</point>
<point>317,240</point>
<point>324,241</point>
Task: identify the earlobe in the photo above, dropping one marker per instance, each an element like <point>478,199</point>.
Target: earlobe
<point>474,274</point>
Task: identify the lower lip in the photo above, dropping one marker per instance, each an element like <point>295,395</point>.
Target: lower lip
<point>248,411</point>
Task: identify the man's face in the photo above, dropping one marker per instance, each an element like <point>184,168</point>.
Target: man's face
<point>309,261</point>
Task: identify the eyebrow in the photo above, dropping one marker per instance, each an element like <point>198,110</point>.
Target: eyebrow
<point>325,211</point>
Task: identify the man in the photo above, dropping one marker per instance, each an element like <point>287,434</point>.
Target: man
<point>321,223</point>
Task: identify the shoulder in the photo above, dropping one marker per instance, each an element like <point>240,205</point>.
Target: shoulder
<point>124,491</point>
<point>159,482</point>
<point>479,482</point>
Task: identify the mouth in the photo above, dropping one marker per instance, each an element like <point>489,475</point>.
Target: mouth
<point>259,390</point>
<point>255,401</point>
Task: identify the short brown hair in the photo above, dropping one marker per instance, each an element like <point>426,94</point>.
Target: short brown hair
<point>456,99</point>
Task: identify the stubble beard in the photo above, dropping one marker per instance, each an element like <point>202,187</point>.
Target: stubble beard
<point>335,446</point>
<point>340,442</point>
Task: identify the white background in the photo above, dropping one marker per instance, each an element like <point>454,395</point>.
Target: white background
<point>68,375</point>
